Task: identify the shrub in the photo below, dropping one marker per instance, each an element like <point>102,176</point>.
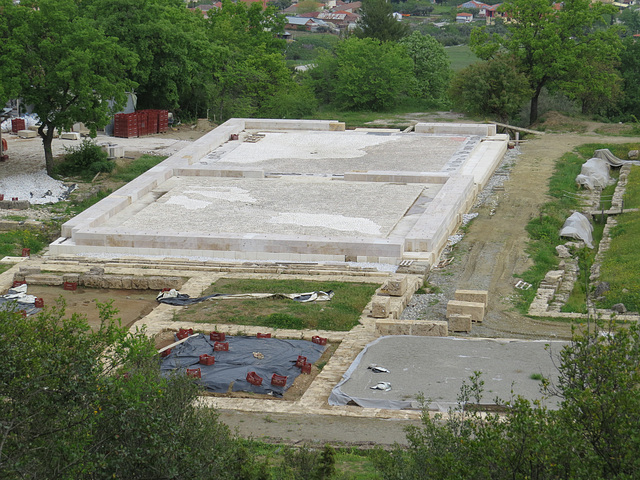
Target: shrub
<point>86,160</point>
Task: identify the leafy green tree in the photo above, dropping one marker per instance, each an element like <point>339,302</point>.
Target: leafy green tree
<point>494,88</point>
<point>363,74</point>
<point>307,6</point>
<point>593,434</point>
<point>69,69</point>
<point>551,46</point>
<point>377,21</point>
<point>630,18</point>
<point>250,66</point>
<point>171,44</point>
<point>9,85</point>
<point>432,67</point>
<point>280,4</point>
<point>630,71</point>
<point>88,404</point>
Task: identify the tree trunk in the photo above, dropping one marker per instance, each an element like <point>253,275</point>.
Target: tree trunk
<point>47,139</point>
<point>533,114</point>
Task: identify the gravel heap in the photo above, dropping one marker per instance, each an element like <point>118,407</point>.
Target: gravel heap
<point>38,188</point>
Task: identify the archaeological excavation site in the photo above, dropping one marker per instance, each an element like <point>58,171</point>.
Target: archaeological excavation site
<point>307,202</point>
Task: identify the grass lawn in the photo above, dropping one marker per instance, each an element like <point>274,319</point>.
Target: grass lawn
<point>339,314</point>
<point>461,56</point>
<point>622,261</point>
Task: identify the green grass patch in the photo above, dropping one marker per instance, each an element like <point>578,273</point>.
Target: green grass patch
<point>339,314</point>
<point>12,243</point>
<point>460,56</point>
<point>632,192</point>
<point>15,218</point>
<point>75,206</point>
<point>622,262</point>
<point>136,168</point>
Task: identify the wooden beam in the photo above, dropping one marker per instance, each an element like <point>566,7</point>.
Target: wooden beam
<point>518,129</point>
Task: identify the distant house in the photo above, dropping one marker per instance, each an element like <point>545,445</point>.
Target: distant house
<point>492,12</point>
<point>249,2</point>
<point>339,19</point>
<point>472,4</point>
<point>464,18</point>
<point>304,23</point>
<point>351,7</point>
<point>204,9</point>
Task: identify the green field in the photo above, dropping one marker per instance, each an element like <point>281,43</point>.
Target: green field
<point>461,56</point>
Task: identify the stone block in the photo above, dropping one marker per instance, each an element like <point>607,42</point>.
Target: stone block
<point>70,136</point>
<point>43,279</point>
<point>633,154</point>
<point>18,277</point>
<point>477,296</point>
<point>30,270</point>
<point>96,271</point>
<point>380,307</point>
<point>554,277</point>
<point>474,309</point>
<point>430,328</point>
<point>383,327</point>
<point>91,281</point>
<point>396,287</point>
<point>27,134</point>
<point>460,323</point>
<point>71,278</point>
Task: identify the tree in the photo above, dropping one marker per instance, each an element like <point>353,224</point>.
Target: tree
<point>377,21</point>
<point>550,45</point>
<point>250,67</point>
<point>363,74</point>
<point>89,404</point>
<point>70,70</point>
<point>593,434</point>
<point>171,44</point>
<point>630,18</point>
<point>494,87</point>
<point>9,85</point>
<point>630,71</point>
<point>431,66</point>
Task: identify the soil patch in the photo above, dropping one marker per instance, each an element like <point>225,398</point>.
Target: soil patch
<point>132,305</point>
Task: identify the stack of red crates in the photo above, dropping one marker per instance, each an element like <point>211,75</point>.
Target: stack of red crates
<point>125,125</point>
<point>142,122</point>
<point>17,124</point>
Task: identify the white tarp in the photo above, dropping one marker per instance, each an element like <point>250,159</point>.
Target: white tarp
<point>595,174</point>
<point>578,226</point>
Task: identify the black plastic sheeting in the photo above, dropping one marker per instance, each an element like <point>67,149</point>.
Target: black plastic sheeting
<point>231,367</point>
<point>182,299</point>
<point>11,302</point>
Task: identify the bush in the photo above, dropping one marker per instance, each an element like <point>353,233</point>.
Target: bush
<point>86,161</point>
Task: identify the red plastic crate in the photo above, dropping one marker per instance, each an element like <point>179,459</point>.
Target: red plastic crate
<point>17,124</point>
<point>306,368</point>
<point>17,283</point>
<point>1,196</point>
<point>263,335</point>
<point>184,333</point>
<point>163,121</point>
<point>319,340</point>
<point>207,359</point>
<point>125,125</point>
<point>254,379</point>
<point>194,373</point>
<point>166,353</point>
<point>23,312</point>
<point>217,336</point>
<point>26,252</point>
<point>39,303</point>
<point>278,380</point>
<point>221,347</point>
<point>70,286</point>
<point>301,361</point>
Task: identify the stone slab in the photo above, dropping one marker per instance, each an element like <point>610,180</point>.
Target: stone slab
<point>422,328</point>
<point>27,134</point>
<point>396,287</point>
<point>460,323</point>
<point>478,296</point>
<point>474,309</point>
<point>380,307</point>
<point>70,136</point>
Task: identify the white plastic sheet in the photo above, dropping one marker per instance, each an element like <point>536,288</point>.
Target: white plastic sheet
<point>578,226</point>
<point>595,174</point>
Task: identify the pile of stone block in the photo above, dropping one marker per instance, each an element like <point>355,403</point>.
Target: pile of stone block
<point>96,278</point>
<point>467,307</point>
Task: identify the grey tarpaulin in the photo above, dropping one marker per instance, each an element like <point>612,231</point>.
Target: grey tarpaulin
<point>578,226</point>
<point>594,174</point>
<point>231,368</point>
<point>338,397</point>
<point>173,297</point>
<point>17,299</point>
<point>611,159</point>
